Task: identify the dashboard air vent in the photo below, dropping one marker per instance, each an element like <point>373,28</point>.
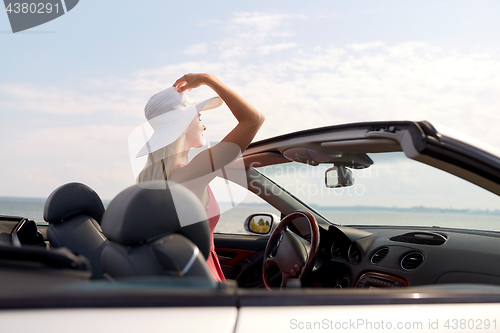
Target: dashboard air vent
<point>379,255</point>
<point>412,260</point>
<point>424,238</point>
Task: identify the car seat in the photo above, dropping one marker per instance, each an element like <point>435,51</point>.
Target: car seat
<point>74,212</point>
<point>156,230</point>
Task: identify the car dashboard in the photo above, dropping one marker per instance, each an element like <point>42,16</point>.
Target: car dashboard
<point>389,257</point>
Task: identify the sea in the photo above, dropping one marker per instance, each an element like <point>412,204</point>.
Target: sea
<point>232,219</point>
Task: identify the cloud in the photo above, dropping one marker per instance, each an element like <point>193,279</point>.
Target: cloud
<point>66,101</point>
<point>71,143</point>
<point>196,49</point>
<point>266,49</point>
<point>259,56</point>
<point>260,21</point>
<point>365,46</point>
<point>249,33</point>
<point>413,81</point>
<point>297,86</point>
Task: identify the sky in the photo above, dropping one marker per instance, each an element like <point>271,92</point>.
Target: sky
<point>73,89</point>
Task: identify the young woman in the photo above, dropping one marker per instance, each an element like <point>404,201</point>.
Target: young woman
<point>176,121</point>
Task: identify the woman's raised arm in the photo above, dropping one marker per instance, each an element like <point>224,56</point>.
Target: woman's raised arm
<point>249,118</point>
<point>202,167</point>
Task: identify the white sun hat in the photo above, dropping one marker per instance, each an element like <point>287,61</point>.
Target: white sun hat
<point>169,113</point>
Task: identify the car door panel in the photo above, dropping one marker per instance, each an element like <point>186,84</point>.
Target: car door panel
<point>240,257</point>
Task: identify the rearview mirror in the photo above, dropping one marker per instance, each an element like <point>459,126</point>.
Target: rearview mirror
<point>338,176</point>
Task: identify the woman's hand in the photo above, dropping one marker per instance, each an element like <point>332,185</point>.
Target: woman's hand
<point>191,81</point>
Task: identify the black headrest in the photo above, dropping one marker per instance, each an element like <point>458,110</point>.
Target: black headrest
<point>146,211</point>
<point>72,199</point>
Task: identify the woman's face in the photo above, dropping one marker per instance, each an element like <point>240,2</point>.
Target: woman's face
<point>194,133</point>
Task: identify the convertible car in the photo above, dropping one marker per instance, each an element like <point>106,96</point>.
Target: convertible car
<point>356,227</point>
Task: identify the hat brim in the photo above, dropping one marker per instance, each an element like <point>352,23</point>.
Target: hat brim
<point>210,103</point>
<point>174,123</point>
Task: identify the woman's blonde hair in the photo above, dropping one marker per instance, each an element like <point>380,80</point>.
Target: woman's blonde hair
<point>161,162</point>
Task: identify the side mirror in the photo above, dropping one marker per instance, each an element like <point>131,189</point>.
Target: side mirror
<point>261,223</point>
<point>338,176</point>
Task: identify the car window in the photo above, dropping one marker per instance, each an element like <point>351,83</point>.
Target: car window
<point>395,190</point>
<point>233,215</point>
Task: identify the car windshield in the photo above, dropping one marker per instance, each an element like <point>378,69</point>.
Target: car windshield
<point>395,190</point>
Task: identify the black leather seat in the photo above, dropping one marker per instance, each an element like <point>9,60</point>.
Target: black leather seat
<point>144,225</point>
<point>74,212</point>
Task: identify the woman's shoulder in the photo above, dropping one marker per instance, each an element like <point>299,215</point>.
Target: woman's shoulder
<point>175,169</point>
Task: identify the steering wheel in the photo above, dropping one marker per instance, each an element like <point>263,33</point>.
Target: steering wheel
<point>292,254</point>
